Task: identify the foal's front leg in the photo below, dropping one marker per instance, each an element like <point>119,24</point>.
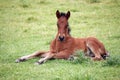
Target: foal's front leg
<point>48,56</point>
<point>24,58</point>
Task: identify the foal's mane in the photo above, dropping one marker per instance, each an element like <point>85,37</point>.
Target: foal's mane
<point>62,14</point>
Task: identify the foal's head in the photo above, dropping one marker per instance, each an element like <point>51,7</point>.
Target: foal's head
<point>63,26</point>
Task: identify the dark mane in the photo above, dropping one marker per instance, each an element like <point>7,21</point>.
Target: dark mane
<point>62,14</point>
<point>69,29</point>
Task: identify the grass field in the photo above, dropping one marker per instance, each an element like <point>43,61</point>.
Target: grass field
<point>30,25</point>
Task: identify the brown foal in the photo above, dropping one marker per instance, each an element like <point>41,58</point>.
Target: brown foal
<point>64,45</point>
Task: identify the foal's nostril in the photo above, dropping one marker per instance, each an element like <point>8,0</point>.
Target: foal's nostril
<point>61,38</point>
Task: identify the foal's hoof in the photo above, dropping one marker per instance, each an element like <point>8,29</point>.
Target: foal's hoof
<point>38,63</point>
<point>19,60</point>
<point>71,58</point>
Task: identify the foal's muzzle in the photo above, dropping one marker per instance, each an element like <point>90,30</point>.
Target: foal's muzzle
<point>61,38</point>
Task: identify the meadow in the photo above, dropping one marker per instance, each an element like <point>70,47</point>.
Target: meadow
<point>30,25</point>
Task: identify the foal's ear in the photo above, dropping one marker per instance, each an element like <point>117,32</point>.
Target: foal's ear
<point>68,15</point>
<point>57,14</point>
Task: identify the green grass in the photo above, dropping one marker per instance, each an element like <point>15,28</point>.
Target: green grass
<point>30,25</point>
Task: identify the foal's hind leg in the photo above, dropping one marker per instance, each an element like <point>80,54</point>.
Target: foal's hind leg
<point>24,58</point>
<point>89,53</point>
<point>96,54</point>
<point>97,57</point>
